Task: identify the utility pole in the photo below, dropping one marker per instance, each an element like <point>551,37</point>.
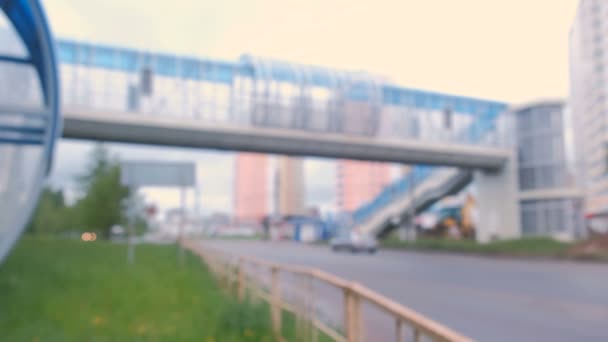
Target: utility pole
<point>132,213</point>
<point>411,227</point>
<point>407,226</point>
<point>197,206</point>
<point>182,220</point>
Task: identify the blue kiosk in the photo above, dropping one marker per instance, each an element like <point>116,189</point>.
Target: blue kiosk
<point>29,113</point>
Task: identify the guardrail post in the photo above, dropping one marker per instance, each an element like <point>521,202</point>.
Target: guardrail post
<point>226,274</point>
<point>346,303</point>
<point>416,334</point>
<point>222,273</point>
<point>241,289</point>
<point>300,308</point>
<point>352,316</point>
<point>275,302</point>
<point>399,329</point>
<point>231,276</point>
<point>356,321</point>
<point>313,308</point>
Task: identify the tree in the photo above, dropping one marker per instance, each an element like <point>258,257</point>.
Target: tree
<point>102,205</point>
<point>51,215</point>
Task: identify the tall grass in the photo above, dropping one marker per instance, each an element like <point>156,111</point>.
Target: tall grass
<point>67,290</point>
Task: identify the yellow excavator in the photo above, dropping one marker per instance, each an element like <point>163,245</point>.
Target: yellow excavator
<point>456,222</point>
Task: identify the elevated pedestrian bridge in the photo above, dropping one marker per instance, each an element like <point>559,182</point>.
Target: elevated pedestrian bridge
<point>264,105</point>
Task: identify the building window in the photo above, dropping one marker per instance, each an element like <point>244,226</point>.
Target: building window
<point>528,219</point>
<point>598,53</point>
<point>526,178</point>
<point>524,121</point>
<point>525,152</point>
<point>605,158</point>
<point>597,39</point>
<point>599,67</point>
<point>447,118</point>
<point>596,7</point>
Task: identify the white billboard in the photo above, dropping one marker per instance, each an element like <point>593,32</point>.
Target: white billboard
<point>169,174</point>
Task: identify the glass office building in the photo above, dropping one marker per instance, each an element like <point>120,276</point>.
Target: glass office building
<point>549,172</point>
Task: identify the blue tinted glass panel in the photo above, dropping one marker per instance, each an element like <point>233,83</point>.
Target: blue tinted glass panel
<point>103,58</point>
<point>500,107</point>
<point>126,60</point>
<point>84,54</point>
<point>390,96</point>
<point>191,69</point>
<point>246,71</point>
<point>359,92</point>
<point>218,73</point>
<point>166,66</point>
<point>396,97</point>
<point>400,97</point>
<point>419,100</point>
<point>469,106</point>
<point>67,52</point>
<point>459,105</point>
<point>147,60</point>
<point>436,102</point>
<point>225,74</point>
<point>320,79</point>
<point>281,73</point>
<point>408,99</point>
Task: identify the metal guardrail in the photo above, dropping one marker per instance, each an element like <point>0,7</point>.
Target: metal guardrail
<point>261,279</point>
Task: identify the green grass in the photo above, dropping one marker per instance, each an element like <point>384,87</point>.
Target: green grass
<point>533,247</point>
<point>237,237</point>
<point>66,290</point>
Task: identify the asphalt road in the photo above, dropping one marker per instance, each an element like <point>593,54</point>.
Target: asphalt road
<point>485,298</point>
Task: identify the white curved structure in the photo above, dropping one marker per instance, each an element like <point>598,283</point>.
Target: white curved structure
<point>29,113</point>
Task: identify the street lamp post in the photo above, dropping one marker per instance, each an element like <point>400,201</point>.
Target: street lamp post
<point>412,209</point>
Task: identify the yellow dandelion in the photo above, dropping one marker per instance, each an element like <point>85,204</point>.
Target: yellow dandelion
<point>97,320</point>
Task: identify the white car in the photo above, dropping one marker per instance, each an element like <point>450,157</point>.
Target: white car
<point>354,242</point>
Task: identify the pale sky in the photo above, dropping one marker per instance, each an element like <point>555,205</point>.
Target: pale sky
<point>514,50</point>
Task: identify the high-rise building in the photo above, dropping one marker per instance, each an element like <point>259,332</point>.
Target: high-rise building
<point>290,186</point>
<point>265,185</point>
<point>588,100</point>
<point>251,187</point>
<point>359,182</point>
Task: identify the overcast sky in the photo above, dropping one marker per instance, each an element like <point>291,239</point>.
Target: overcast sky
<point>513,51</point>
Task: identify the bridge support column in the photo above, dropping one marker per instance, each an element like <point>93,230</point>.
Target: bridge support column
<point>498,202</point>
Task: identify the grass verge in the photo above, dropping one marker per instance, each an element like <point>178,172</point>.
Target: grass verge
<point>66,290</point>
<point>526,247</point>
